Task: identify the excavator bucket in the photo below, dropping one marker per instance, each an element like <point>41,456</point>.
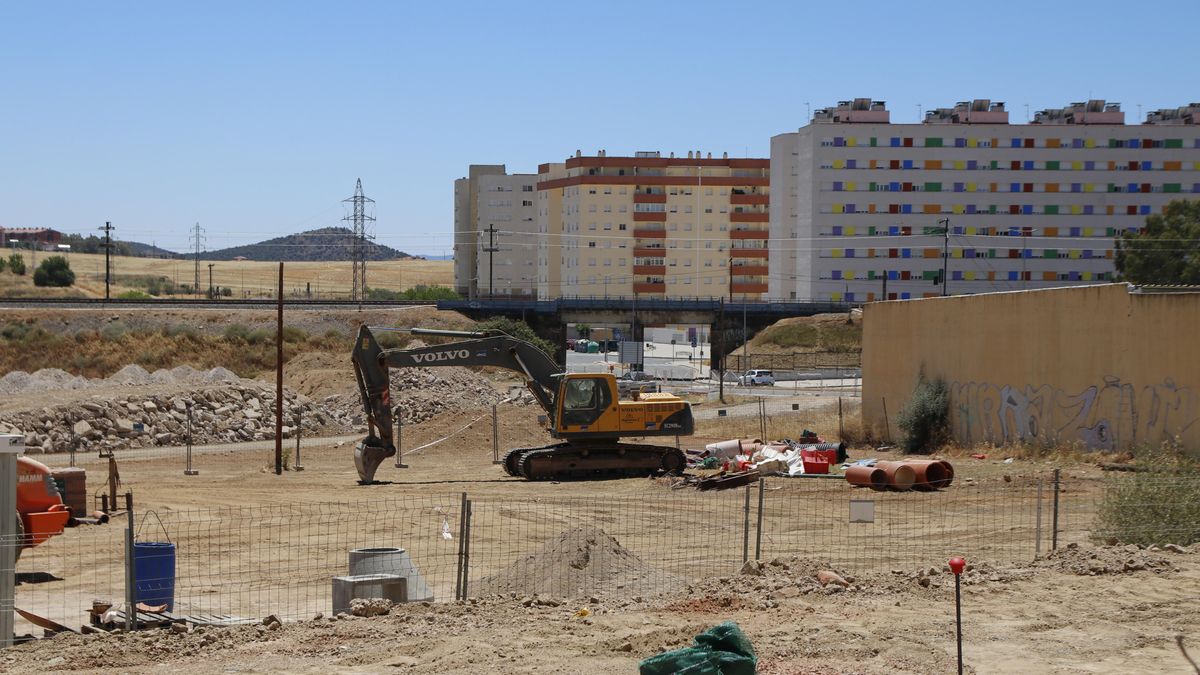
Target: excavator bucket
<point>367,458</point>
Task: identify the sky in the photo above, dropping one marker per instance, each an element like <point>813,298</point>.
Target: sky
<point>254,119</point>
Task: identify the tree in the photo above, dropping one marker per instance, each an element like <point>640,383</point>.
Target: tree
<point>584,330</point>
<point>54,271</point>
<point>3,264</point>
<point>1166,251</point>
<point>16,263</point>
<point>519,330</point>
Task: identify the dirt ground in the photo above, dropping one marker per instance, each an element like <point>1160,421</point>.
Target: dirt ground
<point>1042,617</point>
<point>1083,610</point>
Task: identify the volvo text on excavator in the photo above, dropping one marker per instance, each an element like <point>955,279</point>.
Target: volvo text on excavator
<point>586,415</point>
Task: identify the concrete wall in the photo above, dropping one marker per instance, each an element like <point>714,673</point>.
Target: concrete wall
<point>1097,366</point>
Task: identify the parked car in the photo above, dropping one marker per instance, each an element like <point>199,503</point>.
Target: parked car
<point>571,344</point>
<point>756,377</point>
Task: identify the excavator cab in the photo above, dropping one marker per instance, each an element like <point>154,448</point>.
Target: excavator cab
<point>585,399</point>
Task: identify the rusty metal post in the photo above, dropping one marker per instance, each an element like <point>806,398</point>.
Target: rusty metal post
<point>130,571</point>
<point>495,436</point>
<point>462,535</point>
<point>1037,532</point>
<point>297,466</point>
<point>279,378</point>
<point>1054,522</point>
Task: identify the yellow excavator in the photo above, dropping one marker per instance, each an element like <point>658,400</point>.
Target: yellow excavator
<point>585,413</point>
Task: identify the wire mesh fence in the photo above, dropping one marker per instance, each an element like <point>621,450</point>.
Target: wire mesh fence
<point>234,564</point>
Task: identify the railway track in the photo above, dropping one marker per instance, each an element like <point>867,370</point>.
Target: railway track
<point>258,303</point>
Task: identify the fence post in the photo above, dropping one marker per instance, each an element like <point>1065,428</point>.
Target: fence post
<point>462,530</point>
<point>1037,532</point>
<point>466,577</point>
<point>130,572</point>
<point>297,466</point>
<point>495,436</point>
<point>1054,525</point>
<point>841,424</point>
<point>400,441</point>
<point>746,528</point>
<point>189,471</point>
<point>762,483</point>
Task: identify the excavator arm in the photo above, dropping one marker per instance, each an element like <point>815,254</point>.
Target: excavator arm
<point>371,364</point>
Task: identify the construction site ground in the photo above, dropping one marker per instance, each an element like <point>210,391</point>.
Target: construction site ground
<point>1018,617</point>
<point>1022,618</point>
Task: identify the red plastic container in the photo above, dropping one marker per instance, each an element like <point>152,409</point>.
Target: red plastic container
<point>817,461</point>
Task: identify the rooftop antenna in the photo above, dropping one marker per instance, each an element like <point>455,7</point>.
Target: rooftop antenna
<point>1026,112</point>
<point>808,108</point>
<point>1139,111</point>
<point>920,113</point>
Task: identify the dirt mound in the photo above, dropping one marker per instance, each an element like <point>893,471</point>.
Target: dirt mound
<point>575,563</point>
<point>1085,561</point>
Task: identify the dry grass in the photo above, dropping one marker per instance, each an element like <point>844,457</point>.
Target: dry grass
<point>823,420</point>
<point>248,278</point>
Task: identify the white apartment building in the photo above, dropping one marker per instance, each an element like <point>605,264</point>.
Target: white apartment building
<point>495,233</point>
<point>862,209</point>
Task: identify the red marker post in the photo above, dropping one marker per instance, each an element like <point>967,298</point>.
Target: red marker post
<point>957,564</point>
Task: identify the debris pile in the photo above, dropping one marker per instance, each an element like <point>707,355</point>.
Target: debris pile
<point>241,410</point>
<point>423,393</point>
<point>575,563</point>
<point>1085,561</point>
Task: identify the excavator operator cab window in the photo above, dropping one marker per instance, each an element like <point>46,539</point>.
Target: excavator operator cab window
<point>584,400</point>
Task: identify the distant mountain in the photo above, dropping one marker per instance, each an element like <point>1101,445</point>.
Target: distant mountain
<point>327,243</point>
<point>137,248</point>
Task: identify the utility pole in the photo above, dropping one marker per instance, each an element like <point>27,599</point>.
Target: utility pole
<point>945,223</point>
<point>197,247</point>
<point>107,229</point>
<point>358,219</point>
<point>885,296</point>
<point>210,285</point>
<point>491,249</point>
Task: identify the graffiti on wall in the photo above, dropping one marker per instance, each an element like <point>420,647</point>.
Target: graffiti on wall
<point>1108,416</point>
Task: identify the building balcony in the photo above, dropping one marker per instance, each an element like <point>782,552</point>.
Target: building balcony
<point>649,233</point>
<point>749,234</point>
<point>749,199</point>
<point>650,270</point>
<point>649,216</point>
<point>748,270</point>
<point>748,217</point>
<point>748,287</point>
<point>748,253</point>
<point>643,198</point>
<point>649,251</point>
<point>649,287</point>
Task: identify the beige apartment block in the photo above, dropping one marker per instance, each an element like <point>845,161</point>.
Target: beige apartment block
<point>654,226</point>
<point>863,209</point>
<point>495,233</point>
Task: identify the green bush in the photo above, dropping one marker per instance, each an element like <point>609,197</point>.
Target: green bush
<point>133,295</point>
<point>114,330</point>
<point>795,335</point>
<point>237,332</point>
<point>1158,504</point>
<point>925,419</point>
<point>181,330</point>
<point>293,334</point>
<point>3,264</point>
<point>260,336</point>
<point>519,330</point>
<point>419,292</point>
<point>16,263</point>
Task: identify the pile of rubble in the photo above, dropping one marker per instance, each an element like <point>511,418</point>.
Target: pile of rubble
<point>109,412</point>
<point>421,394</point>
<point>237,411</point>
<point>1115,559</point>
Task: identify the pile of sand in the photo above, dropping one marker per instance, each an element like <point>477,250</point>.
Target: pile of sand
<point>576,563</point>
<point>53,379</point>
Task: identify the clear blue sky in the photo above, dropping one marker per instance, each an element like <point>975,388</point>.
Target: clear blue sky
<point>255,118</point>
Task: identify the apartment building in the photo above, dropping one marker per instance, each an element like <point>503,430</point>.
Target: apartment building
<point>862,209</point>
<point>654,226</point>
<point>495,233</point>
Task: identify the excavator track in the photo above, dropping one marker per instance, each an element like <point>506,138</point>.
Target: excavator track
<point>567,461</point>
<point>512,459</point>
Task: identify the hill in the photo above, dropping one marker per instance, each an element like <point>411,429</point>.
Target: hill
<point>325,244</point>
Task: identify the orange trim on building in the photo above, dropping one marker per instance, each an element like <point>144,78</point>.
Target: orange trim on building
<point>643,198</point>
<point>718,181</point>
<point>749,270</point>
<point>650,269</point>
<point>649,233</point>
<point>748,253</point>
<point>749,234</point>
<point>649,216</point>
<point>748,287</point>
<point>750,199</point>
<point>664,162</point>
<point>649,287</point>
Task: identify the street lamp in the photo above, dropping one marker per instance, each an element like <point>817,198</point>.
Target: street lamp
<point>945,223</point>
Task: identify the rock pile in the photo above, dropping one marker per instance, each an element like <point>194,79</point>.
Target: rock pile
<point>242,410</point>
<point>1088,561</point>
<point>422,393</point>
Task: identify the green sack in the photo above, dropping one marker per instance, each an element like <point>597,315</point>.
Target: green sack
<point>720,650</point>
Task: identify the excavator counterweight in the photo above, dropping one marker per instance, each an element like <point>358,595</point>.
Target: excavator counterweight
<point>585,413</point>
